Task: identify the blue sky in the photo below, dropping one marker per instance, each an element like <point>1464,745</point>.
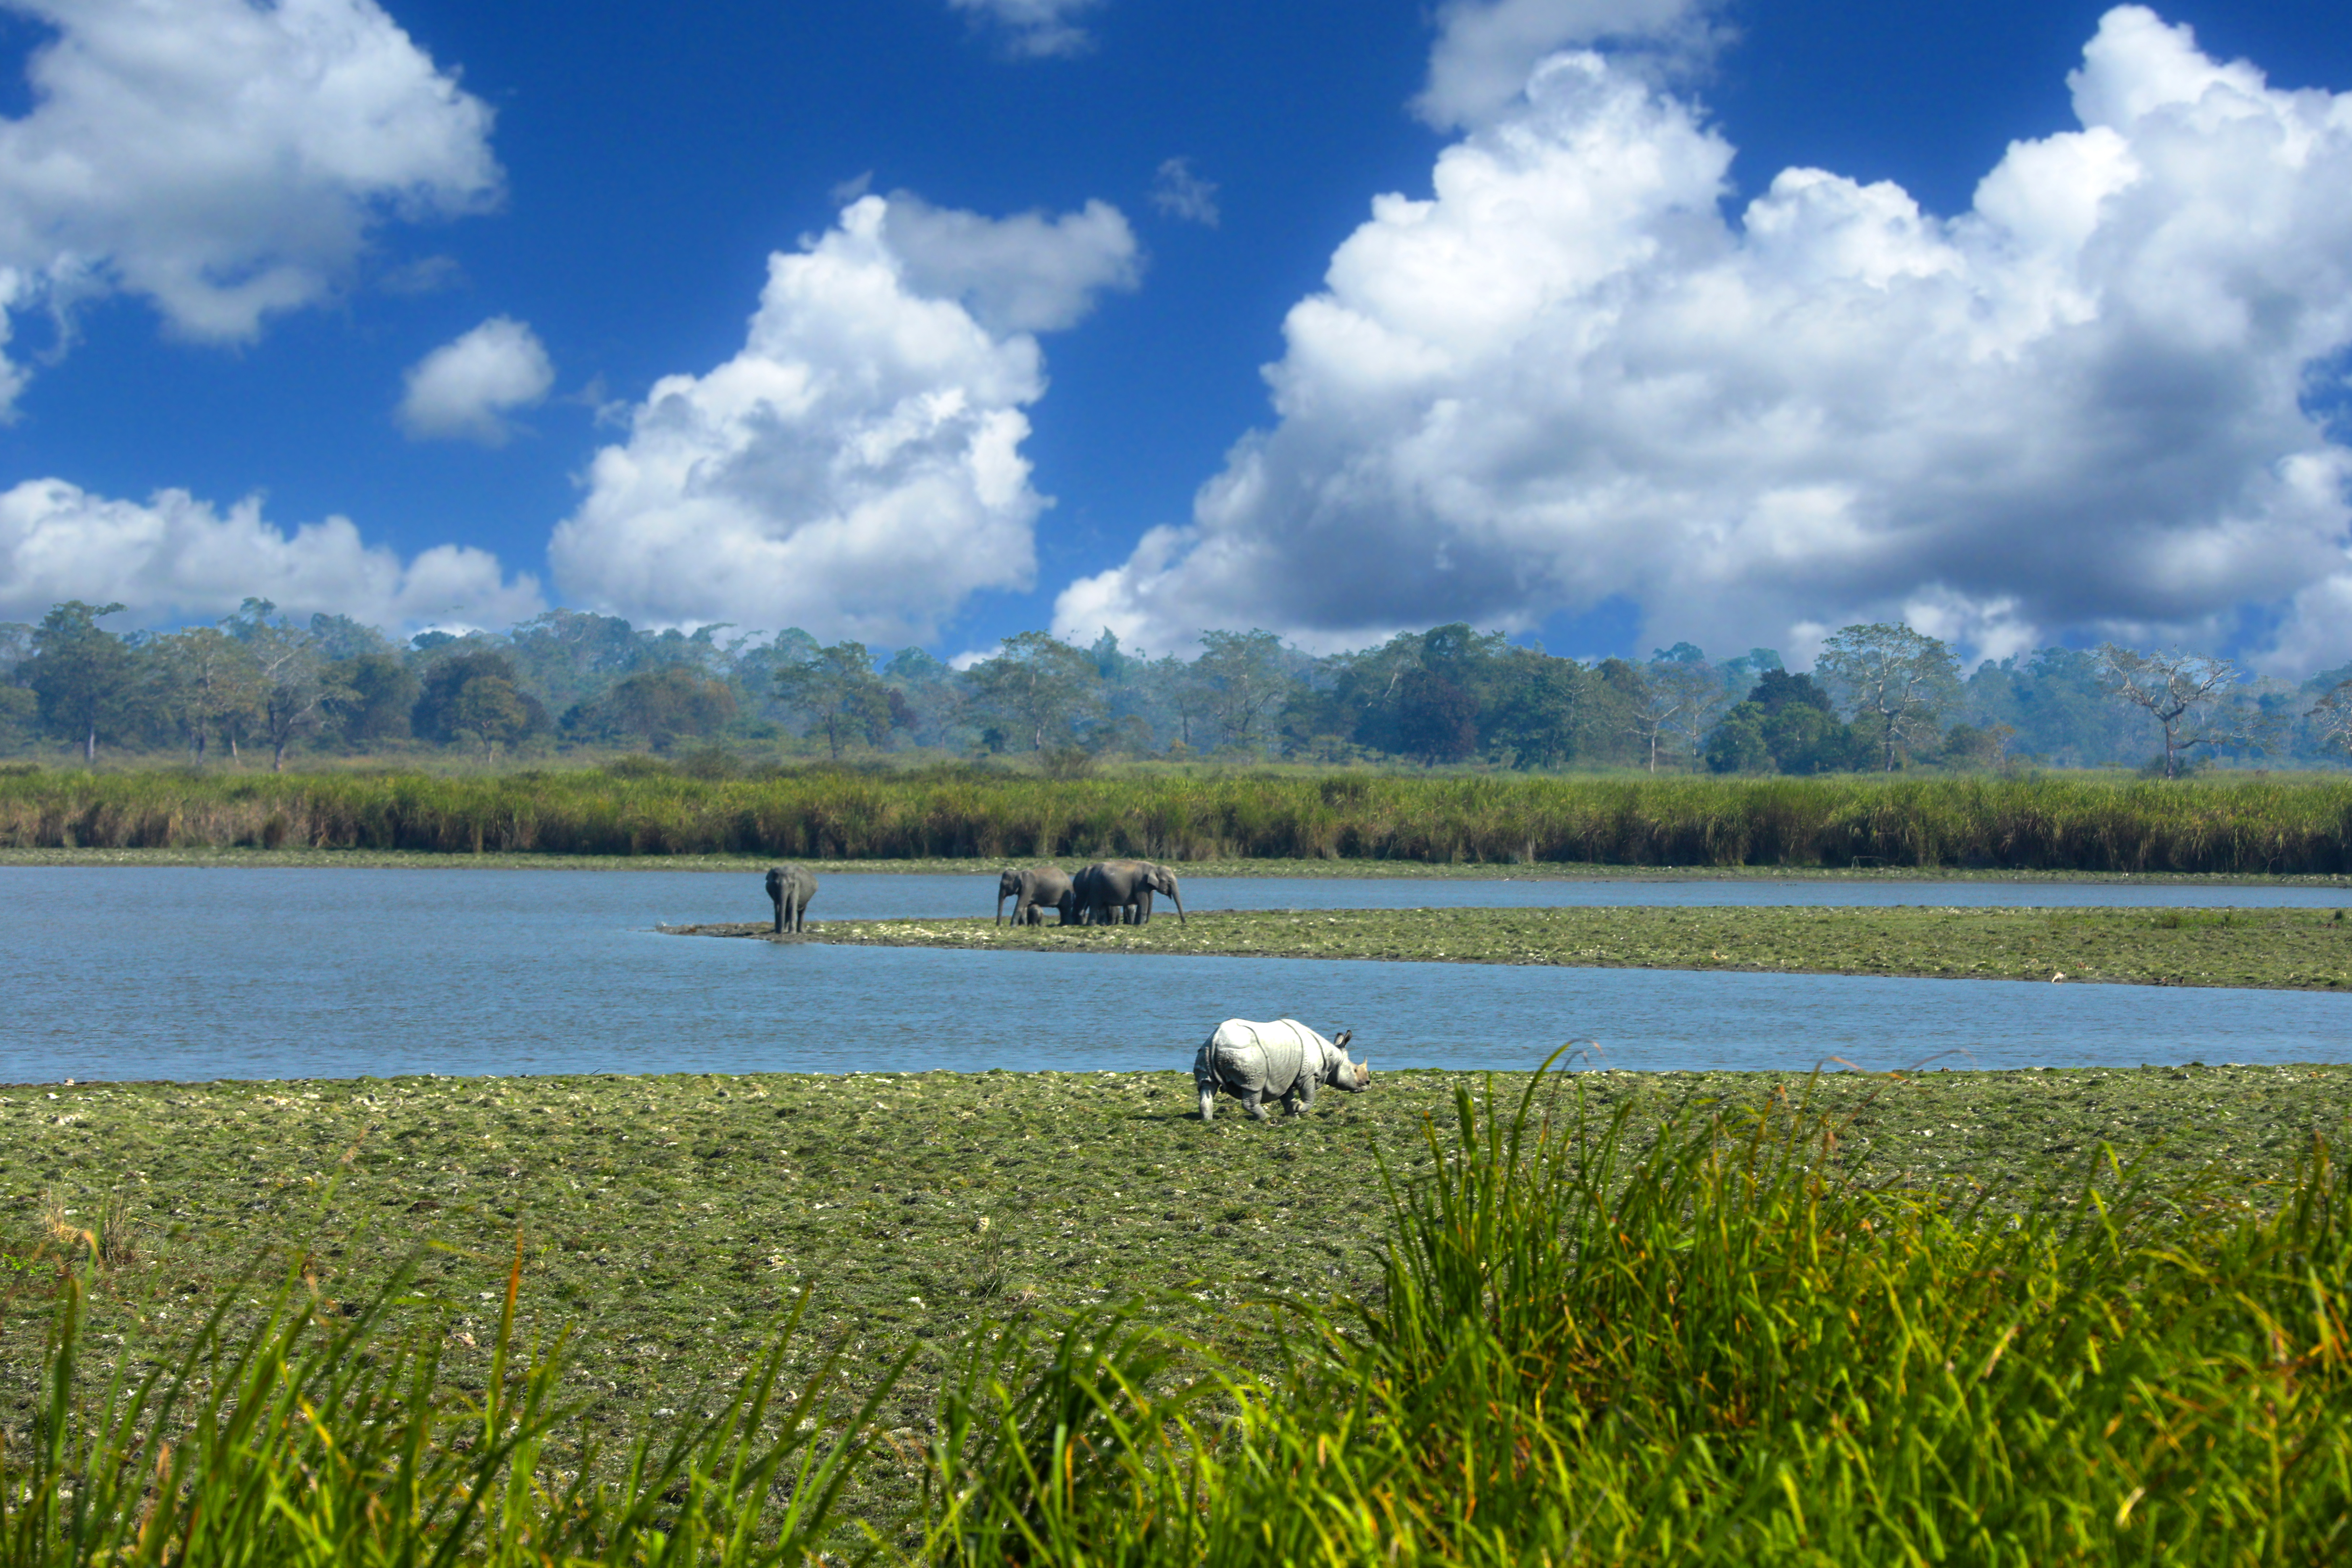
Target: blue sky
<point>1554,424</point>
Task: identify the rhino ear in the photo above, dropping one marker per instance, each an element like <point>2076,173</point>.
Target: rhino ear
<point>1344,1036</point>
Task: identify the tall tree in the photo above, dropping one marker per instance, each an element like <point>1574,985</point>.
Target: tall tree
<point>1896,682</point>
<point>207,684</point>
<point>502,713</point>
<point>1241,678</point>
<point>1038,685</point>
<point>291,668</point>
<point>2188,696</point>
<point>80,673</point>
<point>837,690</point>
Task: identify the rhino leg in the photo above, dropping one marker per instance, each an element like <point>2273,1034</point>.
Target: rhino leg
<point>1251,1103</point>
<point>1302,1097</point>
<point>1208,1102</point>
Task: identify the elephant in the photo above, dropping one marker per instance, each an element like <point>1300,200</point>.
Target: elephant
<point>1110,889</point>
<point>1285,1060</point>
<point>1034,892</point>
<point>790,888</point>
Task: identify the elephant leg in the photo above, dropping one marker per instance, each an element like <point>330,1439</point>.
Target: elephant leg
<point>779,914</point>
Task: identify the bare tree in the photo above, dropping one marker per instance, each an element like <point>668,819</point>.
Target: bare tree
<point>1898,681</point>
<point>2332,716</point>
<point>1698,696</point>
<point>295,686</point>
<point>2187,694</point>
<point>1667,697</point>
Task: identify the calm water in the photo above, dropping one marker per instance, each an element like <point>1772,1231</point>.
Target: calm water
<point>152,973</point>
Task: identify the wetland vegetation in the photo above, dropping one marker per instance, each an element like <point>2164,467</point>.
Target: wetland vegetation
<point>2294,947</point>
<point>1020,1276</point>
<point>2274,826</point>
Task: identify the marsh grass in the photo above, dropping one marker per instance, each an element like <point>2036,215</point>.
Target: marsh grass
<point>1715,1349</point>
<point>2273,826</point>
<point>309,1434</point>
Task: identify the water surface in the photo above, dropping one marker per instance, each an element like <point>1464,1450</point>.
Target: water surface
<point>155,972</point>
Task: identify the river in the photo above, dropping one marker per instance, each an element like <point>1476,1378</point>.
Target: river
<point>197,974</point>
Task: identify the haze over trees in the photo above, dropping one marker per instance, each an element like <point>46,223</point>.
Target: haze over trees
<point>1881,698</point>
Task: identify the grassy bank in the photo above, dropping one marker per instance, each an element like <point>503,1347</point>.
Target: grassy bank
<point>2161,1376</point>
<point>2265,826</point>
<point>2294,949</point>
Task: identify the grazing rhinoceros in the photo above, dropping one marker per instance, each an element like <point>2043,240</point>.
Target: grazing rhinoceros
<point>1285,1060</point>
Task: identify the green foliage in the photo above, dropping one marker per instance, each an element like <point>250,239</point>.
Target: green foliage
<point>380,695</point>
<point>836,690</point>
<point>475,697</point>
<point>660,707</point>
<point>81,675</point>
<point>1037,688</point>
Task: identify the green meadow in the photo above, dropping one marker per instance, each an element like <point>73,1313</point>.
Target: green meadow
<point>2030,1317</point>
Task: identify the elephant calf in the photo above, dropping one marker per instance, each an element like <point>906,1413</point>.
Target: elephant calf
<point>1285,1060</point>
<point>790,888</point>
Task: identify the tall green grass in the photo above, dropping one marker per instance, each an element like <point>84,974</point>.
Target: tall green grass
<point>311,1439</point>
<point>1714,1351</point>
<point>1710,1348</point>
<point>2059,823</point>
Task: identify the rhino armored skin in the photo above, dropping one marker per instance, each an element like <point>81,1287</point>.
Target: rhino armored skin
<point>1283,1061</point>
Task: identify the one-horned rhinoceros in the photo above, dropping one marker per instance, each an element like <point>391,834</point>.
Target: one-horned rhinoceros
<point>1285,1060</point>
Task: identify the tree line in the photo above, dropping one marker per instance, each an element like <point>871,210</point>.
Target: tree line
<point>1879,697</point>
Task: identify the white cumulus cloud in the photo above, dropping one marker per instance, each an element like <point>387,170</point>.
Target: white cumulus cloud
<point>468,386</point>
<point>223,160</point>
<point>856,469</point>
<point>1567,376</point>
<point>175,558</point>
<point>1034,27</point>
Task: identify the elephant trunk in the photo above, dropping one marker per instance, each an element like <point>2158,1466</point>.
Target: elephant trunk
<point>1000,906</point>
<point>1177,901</point>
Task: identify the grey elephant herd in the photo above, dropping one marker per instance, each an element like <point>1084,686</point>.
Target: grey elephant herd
<point>1250,1061</point>
<point>1109,892</point>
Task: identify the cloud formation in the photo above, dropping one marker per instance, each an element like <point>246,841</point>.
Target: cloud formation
<point>1179,192</point>
<point>1567,376</point>
<point>1035,29</point>
<point>175,559</point>
<point>467,387</point>
<point>1485,49</point>
<point>856,469</point>
<point>223,160</point>
<point>1033,272</point>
